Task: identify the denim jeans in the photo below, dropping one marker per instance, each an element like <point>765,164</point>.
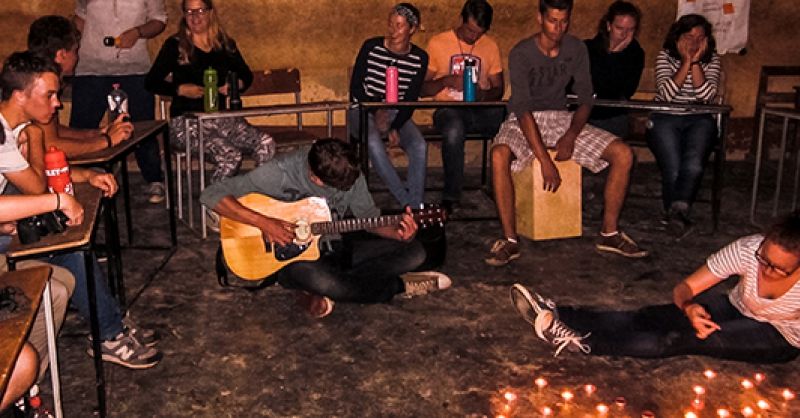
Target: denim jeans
<point>681,144</point>
<point>664,331</point>
<point>361,268</point>
<point>89,103</point>
<point>109,317</point>
<point>411,141</point>
<point>454,123</point>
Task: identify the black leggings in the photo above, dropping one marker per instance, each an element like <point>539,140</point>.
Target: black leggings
<point>664,331</point>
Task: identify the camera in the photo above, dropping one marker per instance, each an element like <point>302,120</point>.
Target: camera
<point>32,229</point>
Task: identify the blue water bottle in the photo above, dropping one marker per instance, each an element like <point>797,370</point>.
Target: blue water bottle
<point>470,80</point>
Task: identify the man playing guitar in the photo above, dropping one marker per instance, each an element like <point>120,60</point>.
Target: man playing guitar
<point>361,267</point>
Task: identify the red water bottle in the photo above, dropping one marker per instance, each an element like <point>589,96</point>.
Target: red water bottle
<point>391,83</point>
<point>57,171</point>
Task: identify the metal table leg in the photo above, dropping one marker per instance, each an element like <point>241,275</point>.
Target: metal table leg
<point>757,170</point>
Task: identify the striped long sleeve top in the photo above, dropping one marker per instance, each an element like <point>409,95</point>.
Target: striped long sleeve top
<point>368,82</point>
<point>738,258</point>
<point>668,91</point>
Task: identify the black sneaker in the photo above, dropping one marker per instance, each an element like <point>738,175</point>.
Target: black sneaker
<point>540,313</point>
<point>127,352</point>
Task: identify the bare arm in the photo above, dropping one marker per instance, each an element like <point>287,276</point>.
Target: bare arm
<point>274,230</point>
<point>550,175</point>
<point>15,207</point>
<point>496,89</point>
<point>683,294</point>
<point>81,141</point>
<point>148,30</point>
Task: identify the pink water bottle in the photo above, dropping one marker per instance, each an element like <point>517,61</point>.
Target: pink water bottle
<point>391,83</point>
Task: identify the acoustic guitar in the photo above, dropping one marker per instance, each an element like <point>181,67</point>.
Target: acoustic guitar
<point>250,257</point>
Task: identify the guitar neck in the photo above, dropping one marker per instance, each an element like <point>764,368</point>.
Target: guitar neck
<point>356,224</point>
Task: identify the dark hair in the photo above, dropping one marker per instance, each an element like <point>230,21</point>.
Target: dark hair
<point>685,24</point>
<point>786,233</point>
<point>20,70</point>
<point>618,8</point>
<point>480,10</point>
<point>49,34</point>
<point>555,4</point>
<point>408,11</point>
<point>334,162</point>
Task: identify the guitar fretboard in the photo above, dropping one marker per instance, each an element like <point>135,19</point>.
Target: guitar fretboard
<point>349,225</point>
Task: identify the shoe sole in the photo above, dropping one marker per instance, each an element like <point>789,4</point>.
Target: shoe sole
<point>615,250</point>
<point>520,290</point>
<point>496,263</point>
<point>111,359</point>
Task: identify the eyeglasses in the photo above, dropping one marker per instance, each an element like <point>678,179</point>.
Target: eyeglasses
<point>196,12</point>
<point>769,266</point>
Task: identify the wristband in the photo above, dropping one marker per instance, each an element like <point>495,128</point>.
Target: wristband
<point>58,201</point>
<point>108,139</point>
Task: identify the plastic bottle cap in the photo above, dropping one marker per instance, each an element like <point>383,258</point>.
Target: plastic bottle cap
<point>115,85</point>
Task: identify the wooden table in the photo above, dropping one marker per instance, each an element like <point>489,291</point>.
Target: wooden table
<point>75,238</point>
<point>326,106</point>
<point>107,159</point>
<point>14,331</point>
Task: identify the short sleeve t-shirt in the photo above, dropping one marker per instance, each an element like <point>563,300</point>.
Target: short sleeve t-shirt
<point>447,55</point>
<point>11,159</point>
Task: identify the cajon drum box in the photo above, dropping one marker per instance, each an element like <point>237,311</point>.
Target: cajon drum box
<point>545,215</point>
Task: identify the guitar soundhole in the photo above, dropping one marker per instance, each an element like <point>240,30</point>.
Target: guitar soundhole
<point>288,252</point>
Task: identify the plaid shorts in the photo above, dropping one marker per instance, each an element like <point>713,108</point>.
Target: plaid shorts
<point>589,145</point>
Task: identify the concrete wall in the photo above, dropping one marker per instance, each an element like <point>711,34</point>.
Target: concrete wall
<point>321,37</point>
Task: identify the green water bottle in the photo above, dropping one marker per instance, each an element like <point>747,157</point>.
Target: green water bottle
<point>210,91</point>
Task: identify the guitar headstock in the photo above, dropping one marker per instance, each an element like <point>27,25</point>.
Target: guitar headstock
<point>429,214</point>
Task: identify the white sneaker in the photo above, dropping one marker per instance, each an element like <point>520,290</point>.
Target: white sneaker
<point>423,282</point>
<point>156,192</point>
<point>212,221</point>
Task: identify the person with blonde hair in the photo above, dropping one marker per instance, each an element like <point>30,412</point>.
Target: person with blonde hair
<point>201,43</point>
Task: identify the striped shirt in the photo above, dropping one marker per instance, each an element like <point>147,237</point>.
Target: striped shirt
<point>738,258</point>
<point>368,82</point>
<point>668,91</point>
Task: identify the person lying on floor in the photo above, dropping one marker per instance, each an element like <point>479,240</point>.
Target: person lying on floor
<point>757,322</point>
<point>362,267</point>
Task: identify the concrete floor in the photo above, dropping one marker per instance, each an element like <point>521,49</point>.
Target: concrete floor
<point>230,352</point>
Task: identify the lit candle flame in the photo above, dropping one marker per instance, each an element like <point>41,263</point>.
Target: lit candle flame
<point>748,411</point>
<point>567,395</point>
<point>690,414</point>
<point>762,404</point>
<point>723,413</point>
<point>540,382</point>
<point>699,390</point>
<point>747,384</point>
<point>710,374</point>
<point>546,411</point>
<point>602,408</point>
<point>759,377</point>
<point>787,394</point>
<point>590,389</point>
<point>510,396</point>
<point>500,416</point>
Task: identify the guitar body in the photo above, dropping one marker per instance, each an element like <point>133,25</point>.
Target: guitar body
<point>243,246</point>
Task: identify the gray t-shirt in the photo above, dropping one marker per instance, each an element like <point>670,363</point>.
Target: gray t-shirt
<point>286,178</point>
<point>539,82</point>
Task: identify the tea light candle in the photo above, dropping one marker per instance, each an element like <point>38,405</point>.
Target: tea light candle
<point>602,408</point>
<point>540,383</point>
<point>698,404</point>
<point>690,414</point>
<point>759,377</point>
<point>547,411</point>
<point>648,414</point>
<point>709,374</point>
<point>620,402</point>
<point>747,411</point>
<point>590,389</point>
<point>567,395</point>
<point>723,413</point>
<point>762,404</point>
<point>699,390</point>
<point>510,396</point>
<point>787,394</point>
<point>747,384</point>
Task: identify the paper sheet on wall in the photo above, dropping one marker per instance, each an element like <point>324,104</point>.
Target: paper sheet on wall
<point>730,19</point>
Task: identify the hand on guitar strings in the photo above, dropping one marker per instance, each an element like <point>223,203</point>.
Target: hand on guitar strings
<point>277,231</point>
<point>407,227</point>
